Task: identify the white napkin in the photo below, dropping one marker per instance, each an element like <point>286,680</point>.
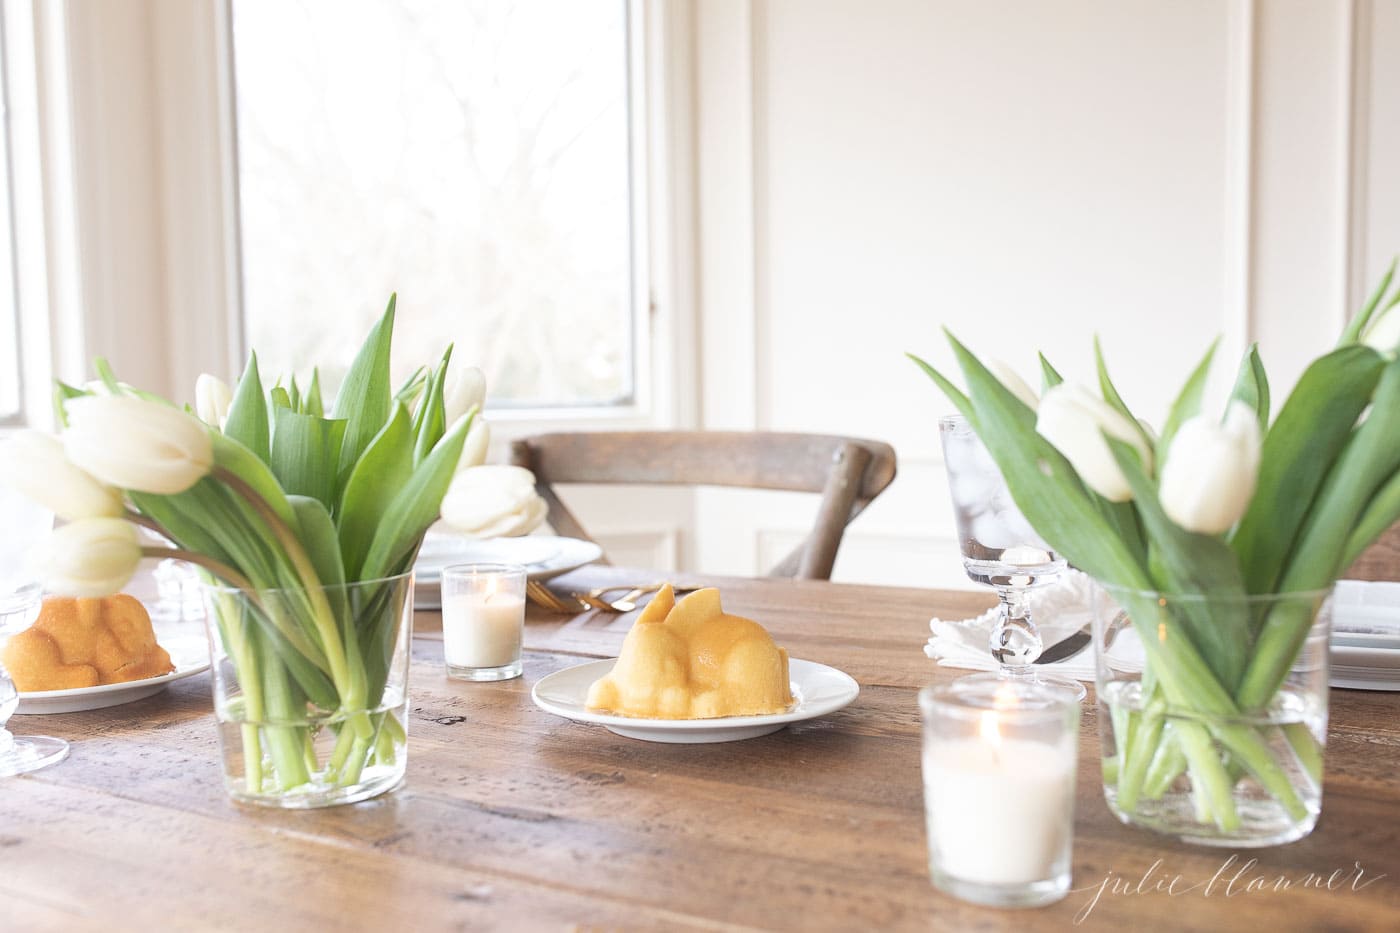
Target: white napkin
<point>1058,610</point>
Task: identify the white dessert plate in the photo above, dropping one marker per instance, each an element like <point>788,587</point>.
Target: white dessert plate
<point>817,690</point>
<point>1358,668</point>
<point>543,557</point>
<point>189,654</point>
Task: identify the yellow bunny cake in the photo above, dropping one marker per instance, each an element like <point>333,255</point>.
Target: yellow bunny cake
<point>691,660</point>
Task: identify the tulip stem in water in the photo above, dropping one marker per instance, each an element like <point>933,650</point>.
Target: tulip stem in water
<point>217,568</point>
<point>349,680</point>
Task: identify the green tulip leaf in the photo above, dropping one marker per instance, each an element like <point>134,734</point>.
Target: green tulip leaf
<point>1043,484</point>
<point>62,392</point>
<point>1049,375</point>
<point>386,466</point>
<point>1357,327</point>
<point>955,395</point>
<point>305,454</point>
<point>230,455</point>
<point>363,401</point>
<point>1252,386</point>
<point>1367,462</point>
<point>1188,402</point>
<point>247,413</point>
<point>1115,401</point>
<point>412,388</point>
<point>414,507</point>
<point>431,421</point>
<point>1187,564</point>
<point>313,405</point>
<point>1300,449</point>
<point>1381,512</point>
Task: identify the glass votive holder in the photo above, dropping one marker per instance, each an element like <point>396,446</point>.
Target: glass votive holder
<point>999,758</point>
<point>483,620</point>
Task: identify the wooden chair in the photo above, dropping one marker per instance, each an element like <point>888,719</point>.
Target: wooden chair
<point>848,472</point>
<point>1380,561</point>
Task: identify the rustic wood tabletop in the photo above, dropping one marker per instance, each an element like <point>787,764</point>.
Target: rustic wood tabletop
<point>513,818</point>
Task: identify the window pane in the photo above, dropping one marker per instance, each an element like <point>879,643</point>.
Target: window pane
<point>472,156</point>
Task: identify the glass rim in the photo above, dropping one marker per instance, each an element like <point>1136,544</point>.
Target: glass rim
<point>1114,589</point>
<point>954,421</point>
<point>222,587</point>
<point>469,569</point>
<point>954,699</point>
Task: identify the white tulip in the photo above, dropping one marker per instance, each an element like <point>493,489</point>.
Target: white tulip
<point>1075,420</point>
<point>98,387</point>
<point>493,502</point>
<point>475,446</point>
<point>212,398</point>
<point>91,557</point>
<point>33,464</point>
<point>1211,469</point>
<point>136,444</point>
<point>465,388</point>
<point>1008,377</point>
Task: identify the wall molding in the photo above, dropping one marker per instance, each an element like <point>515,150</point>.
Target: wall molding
<point>1357,111</point>
<point>1240,192</point>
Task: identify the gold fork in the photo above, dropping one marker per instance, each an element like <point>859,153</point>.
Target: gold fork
<point>543,596</point>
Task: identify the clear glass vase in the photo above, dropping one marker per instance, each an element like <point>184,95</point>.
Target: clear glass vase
<point>311,690</point>
<point>1212,731</point>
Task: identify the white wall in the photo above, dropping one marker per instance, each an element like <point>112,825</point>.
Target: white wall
<point>1027,174</point>
<point>830,182</point>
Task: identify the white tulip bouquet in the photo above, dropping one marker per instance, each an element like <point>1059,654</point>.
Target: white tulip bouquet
<point>306,527</point>
<point>1203,534</point>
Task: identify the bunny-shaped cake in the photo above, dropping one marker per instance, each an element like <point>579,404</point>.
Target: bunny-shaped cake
<point>691,660</point>
<point>85,643</point>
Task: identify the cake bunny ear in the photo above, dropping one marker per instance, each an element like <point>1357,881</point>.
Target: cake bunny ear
<point>660,606</point>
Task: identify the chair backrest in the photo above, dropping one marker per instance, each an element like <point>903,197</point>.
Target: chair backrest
<point>848,472</point>
<point>1380,561</point>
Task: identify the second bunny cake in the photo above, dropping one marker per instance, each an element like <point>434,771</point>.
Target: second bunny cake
<point>691,660</point>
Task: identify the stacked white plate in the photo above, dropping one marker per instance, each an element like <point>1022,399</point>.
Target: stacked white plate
<point>543,556</point>
<point>1365,652</point>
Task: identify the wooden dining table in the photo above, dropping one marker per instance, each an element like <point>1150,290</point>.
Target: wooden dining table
<point>512,818</point>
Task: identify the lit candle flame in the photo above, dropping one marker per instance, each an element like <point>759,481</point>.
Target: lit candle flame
<point>990,733</point>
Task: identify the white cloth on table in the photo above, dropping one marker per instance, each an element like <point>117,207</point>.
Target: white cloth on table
<point>1058,609</point>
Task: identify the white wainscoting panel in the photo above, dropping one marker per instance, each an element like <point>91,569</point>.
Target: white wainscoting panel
<point>1028,175</point>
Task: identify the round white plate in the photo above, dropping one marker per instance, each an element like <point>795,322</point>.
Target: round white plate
<point>189,654</point>
<point>817,690</point>
<point>1361,668</point>
<point>543,557</point>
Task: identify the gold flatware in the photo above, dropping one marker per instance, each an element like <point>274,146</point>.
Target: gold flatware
<point>543,596</point>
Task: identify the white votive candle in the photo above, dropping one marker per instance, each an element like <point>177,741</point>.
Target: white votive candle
<point>484,631</point>
<point>483,616</point>
<point>999,814</point>
<point>999,777</point>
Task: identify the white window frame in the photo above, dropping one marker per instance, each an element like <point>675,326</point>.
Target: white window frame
<point>42,196</point>
<point>193,66</point>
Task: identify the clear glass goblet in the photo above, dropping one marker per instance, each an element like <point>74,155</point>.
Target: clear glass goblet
<point>20,754</point>
<point>999,547</point>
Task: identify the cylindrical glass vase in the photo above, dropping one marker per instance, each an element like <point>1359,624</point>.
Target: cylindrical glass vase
<point>1212,730</point>
<point>311,690</point>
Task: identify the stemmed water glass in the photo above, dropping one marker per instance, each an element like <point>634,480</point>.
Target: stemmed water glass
<point>19,754</point>
<point>999,547</point>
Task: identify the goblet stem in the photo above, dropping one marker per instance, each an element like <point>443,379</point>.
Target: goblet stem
<point>1015,640</point>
